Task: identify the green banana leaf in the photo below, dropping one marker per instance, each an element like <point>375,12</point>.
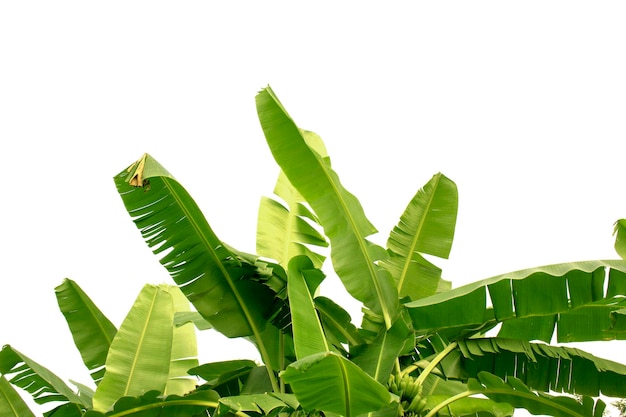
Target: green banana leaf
<point>620,237</point>
<point>263,404</point>
<point>286,231</point>
<point>355,259</point>
<point>470,406</point>
<point>91,330</point>
<point>11,404</point>
<point>554,295</point>
<point>216,280</point>
<point>151,404</point>
<point>378,357</point>
<point>331,383</point>
<point>337,323</point>
<point>140,354</point>
<point>426,227</point>
<point>515,393</point>
<point>43,385</point>
<point>184,350</point>
<point>308,334</point>
<point>543,367</point>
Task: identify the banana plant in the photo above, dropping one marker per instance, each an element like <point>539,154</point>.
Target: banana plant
<point>421,348</point>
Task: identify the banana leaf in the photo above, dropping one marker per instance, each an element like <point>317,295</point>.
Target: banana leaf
<point>515,393</point>
<point>355,259</point>
<point>543,367</point>
<point>308,334</point>
<point>43,385</point>
<point>11,404</point>
<point>543,298</point>
<point>140,354</point>
<point>426,227</point>
<point>286,231</point>
<point>331,383</point>
<point>184,350</point>
<point>91,330</point>
<point>208,273</point>
<point>337,323</point>
<point>620,237</point>
<point>263,404</point>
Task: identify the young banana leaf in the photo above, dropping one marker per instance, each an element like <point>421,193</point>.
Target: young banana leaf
<point>620,237</point>
<point>91,330</point>
<point>426,227</point>
<point>355,259</point>
<point>11,404</point>
<point>284,232</point>
<point>140,355</point>
<point>553,295</point>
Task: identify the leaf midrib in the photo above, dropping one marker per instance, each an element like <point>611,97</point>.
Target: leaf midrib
<point>416,236</point>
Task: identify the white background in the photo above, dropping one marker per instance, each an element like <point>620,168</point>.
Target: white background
<point>521,103</point>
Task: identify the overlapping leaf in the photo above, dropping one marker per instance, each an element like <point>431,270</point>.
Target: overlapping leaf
<point>91,330</point>
<point>426,227</point>
<point>308,334</point>
<point>284,232</point>
<point>140,354</point>
<point>550,295</point>
<point>331,383</point>
<point>355,259</point>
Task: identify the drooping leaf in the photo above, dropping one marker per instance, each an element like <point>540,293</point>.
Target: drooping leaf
<point>515,393</point>
<point>620,238</point>
<point>337,323</point>
<point>140,354</point>
<point>543,367</point>
<point>43,385</point>
<point>331,383</point>
<point>11,404</point>
<point>263,404</point>
<point>217,373</point>
<point>91,330</point>
<point>182,318</point>
<point>284,232</point>
<point>184,350</point>
<point>355,259</point>
<point>308,334</point>
<point>470,406</point>
<point>151,404</point>
<point>426,227</point>
<point>556,294</point>
<point>209,274</point>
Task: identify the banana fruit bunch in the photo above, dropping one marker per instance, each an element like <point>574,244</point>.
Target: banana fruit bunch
<point>410,394</point>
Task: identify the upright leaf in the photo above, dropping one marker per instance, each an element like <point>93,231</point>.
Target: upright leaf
<point>426,227</point>
<point>331,383</point>
<point>308,335</point>
<point>43,385</point>
<point>11,404</point>
<point>355,259</point>
<point>620,238</point>
<point>184,350</point>
<point>284,232</point>
<point>140,354</point>
<point>91,330</point>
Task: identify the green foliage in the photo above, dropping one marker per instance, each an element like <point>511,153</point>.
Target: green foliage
<point>421,348</point>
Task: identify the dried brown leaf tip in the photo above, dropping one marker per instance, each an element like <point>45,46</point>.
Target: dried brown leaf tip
<point>137,179</point>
